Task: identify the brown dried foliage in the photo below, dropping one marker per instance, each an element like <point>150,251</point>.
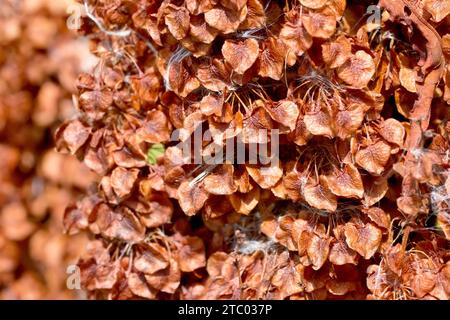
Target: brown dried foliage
<point>357,205</point>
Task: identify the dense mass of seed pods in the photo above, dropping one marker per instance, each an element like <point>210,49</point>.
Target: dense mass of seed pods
<point>357,205</point>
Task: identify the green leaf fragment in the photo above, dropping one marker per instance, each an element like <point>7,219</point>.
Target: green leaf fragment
<point>156,150</point>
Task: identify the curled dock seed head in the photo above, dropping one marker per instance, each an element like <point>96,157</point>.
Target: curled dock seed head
<point>302,152</point>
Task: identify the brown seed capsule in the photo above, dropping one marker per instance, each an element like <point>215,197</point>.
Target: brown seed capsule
<point>241,55</point>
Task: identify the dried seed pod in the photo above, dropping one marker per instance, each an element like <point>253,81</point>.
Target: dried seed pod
<point>241,55</point>
<point>346,182</point>
<point>319,196</point>
<point>271,59</point>
<point>340,252</point>
<point>363,239</point>
<point>313,4</point>
<point>393,131</point>
<point>191,253</point>
<point>320,23</point>
<point>319,123</point>
<point>72,136</point>
<point>215,74</point>
<point>348,121</point>
<point>220,181</point>
<point>374,157</point>
<point>335,53</point>
<point>191,197</point>
<point>294,35</point>
<point>256,16</point>
<point>225,20</point>
<point>358,70</point>
<point>438,8</point>
<point>151,259</point>
<point>265,176</point>
<point>177,21</point>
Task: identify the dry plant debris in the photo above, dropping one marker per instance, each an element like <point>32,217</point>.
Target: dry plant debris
<point>357,207</point>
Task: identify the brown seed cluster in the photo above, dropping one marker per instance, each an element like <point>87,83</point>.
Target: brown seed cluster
<point>39,63</point>
<point>357,206</point>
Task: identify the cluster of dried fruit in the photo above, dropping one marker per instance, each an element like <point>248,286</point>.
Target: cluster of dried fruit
<point>39,63</point>
<point>357,206</point>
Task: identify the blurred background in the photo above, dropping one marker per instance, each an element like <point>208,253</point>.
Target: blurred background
<point>40,59</point>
